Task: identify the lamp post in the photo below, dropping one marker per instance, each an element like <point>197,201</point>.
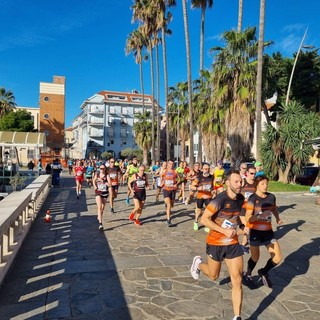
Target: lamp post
<point>295,62</point>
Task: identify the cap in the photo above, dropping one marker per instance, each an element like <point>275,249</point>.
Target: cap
<point>219,162</point>
<point>257,164</point>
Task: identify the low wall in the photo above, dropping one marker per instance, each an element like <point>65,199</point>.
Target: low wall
<point>18,211</point>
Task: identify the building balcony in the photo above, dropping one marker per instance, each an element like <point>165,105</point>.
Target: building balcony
<point>96,123</point>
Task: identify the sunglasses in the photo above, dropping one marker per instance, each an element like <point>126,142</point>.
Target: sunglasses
<point>101,168</point>
<point>252,173</point>
<point>111,161</point>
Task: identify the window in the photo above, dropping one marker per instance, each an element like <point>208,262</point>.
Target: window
<point>30,153</point>
<point>124,121</point>
<point>110,132</point>
<point>123,143</point>
<point>124,110</point>
<point>112,110</point>
<point>111,121</point>
<point>123,133</point>
<point>110,142</point>
<point>46,116</point>
<point>136,110</point>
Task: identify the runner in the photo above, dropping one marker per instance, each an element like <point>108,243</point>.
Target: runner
<point>131,170</point>
<point>203,184</point>
<point>243,170</point>
<point>70,166</point>
<point>218,174</point>
<point>248,188</point>
<point>101,183</point>
<point>114,173</point>
<point>78,171</point>
<point>260,208</point>
<point>181,180</point>
<point>138,184</point>
<point>158,174</point>
<point>222,218</point>
<point>169,187</point>
<point>190,177</point>
<point>153,171</point>
<point>89,173</point>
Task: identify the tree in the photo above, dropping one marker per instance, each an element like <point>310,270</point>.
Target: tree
<point>163,18</point>
<point>19,120</point>
<point>179,115</point>
<point>202,4</point>
<point>233,81</point>
<point>259,78</point>
<point>240,14</point>
<point>7,101</point>
<point>187,38</point>
<point>281,150</point>
<point>136,41</point>
<point>143,134</point>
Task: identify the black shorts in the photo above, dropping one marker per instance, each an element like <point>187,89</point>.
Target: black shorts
<point>219,253</point>
<point>141,195</point>
<point>102,194</point>
<point>261,238</point>
<point>169,194</point>
<point>115,188</point>
<point>201,202</point>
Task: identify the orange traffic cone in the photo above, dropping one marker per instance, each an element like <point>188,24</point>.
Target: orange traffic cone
<point>47,217</point>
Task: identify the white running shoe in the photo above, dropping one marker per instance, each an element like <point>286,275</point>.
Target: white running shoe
<point>195,272</point>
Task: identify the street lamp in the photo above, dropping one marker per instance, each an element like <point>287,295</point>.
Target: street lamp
<point>295,62</point>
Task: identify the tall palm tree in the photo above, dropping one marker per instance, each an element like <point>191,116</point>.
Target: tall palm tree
<point>135,43</point>
<point>163,18</point>
<point>187,38</point>
<point>240,13</point>
<point>143,134</point>
<point>259,78</point>
<point>179,115</point>
<point>7,101</point>
<point>234,79</point>
<point>202,4</point>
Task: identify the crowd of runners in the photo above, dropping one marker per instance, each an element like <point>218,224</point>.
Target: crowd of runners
<point>229,205</point>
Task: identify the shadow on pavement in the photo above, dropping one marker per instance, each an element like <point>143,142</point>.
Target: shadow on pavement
<point>65,268</point>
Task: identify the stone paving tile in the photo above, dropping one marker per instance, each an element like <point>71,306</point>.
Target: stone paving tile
<point>69,270</point>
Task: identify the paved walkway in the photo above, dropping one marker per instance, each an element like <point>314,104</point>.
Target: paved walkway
<point>68,269</point>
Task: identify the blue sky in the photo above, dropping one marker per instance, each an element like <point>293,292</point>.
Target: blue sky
<point>85,40</point>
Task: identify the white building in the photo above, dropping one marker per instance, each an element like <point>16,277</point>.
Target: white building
<point>105,123</point>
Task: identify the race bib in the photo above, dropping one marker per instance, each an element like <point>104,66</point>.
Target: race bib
<point>79,173</point>
<point>206,187</point>
<point>102,187</point>
<point>141,184</point>
<point>228,224</point>
<point>168,183</point>
<point>247,195</point>
<point>113,175</point>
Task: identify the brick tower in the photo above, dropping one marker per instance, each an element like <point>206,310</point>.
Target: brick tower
<point>52,115</point>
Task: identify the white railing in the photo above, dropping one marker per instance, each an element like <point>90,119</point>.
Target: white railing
<point>18,211</point>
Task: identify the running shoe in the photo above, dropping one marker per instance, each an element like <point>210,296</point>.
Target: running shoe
<point>236,318</point>
<point>169,224</point>
<point>195,272</point>
<point>265,279</point>
<point>77,196</point>
<point>245,249</point>
<point>137,223</point>
<point>131,216</point>
<point>127,201</point>
<point>206,229</point>
<point>111,210</point>
<point>187,202</point>
<point>195,226</point>
<point>100,226</point>
<point>247,280</point>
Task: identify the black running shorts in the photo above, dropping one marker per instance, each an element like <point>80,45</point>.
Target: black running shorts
<point>219,253</point>
<point>261,238</point>
<point>141,195</point>
<point>201,202</point>
<point>169,194</point>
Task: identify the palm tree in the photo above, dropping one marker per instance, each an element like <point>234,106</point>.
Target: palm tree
<point>186,31</point>
<point>240,13</point>
<point>163,18</point>
<point>143,134</point>
<point>259,78</point>
<point>202,4</point>
<point>233,89</point>
<point>281,150</point>
<point>179,115</point>
<point>7,101</point>
<point>136,41</point>
<point>7,104</point>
